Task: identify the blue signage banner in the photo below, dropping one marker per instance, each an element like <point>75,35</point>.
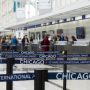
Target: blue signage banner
<point>53,62</point>
<point>55,54</point>
<point>17,77</point>
<point>67,62</point>
<point>29,52</point>
<point>2,61</point>
<point>47,62</point>
<point>51,76</point>
<point>69,75</point>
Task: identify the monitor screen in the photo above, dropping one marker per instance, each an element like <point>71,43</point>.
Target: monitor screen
<point>80,32</point>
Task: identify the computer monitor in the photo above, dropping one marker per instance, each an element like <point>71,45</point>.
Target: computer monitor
<point>80,32</point>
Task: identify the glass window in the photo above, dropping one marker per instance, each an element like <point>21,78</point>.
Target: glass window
<point>33,35</point>
<point>38,35</point>
<point>51,32</point>
<point>18,4</point>
<point>59,31</point>
<point>29,35</point>
<point>43,34</point>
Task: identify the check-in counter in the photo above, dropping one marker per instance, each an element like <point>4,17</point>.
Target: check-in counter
<point>76,47</point>
<point>35,45</point>
<point>62,45</point>
<point>81,43</point>
<point>80,47</point>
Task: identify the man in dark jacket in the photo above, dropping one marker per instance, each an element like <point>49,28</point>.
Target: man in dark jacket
<point>25,42</point>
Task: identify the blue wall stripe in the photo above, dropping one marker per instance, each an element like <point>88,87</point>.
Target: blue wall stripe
<point>57,22</point>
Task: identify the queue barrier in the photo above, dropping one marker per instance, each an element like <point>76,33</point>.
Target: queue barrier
<point>78,47</point>
<point>40,75</point>
<point>48,62</point>
<point>27,54</point>
<point>50,76</point>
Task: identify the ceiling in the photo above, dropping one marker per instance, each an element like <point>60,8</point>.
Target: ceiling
<point>51,17</point>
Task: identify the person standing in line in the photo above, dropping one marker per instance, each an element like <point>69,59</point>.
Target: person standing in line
<point>3,44</point>
<point>60,35</point>
<point>9,43</point>
<point>45,43</point>
<point>25,42</point>
<point>73,38</point>
<point>31,39</point>
<point>14,43</point>
<point>53,41</point>
<point>31,43</point>
<point>66,38</point>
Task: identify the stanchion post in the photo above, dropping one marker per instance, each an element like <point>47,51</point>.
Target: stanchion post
<point>9,71</point>
<point>40,78</point>
<point>65,72</point>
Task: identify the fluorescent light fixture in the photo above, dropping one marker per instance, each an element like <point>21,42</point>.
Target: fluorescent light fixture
<point>53,22</point>
<point>47,23</point>
<point>88,16</point>
<point>42,25</point>
<point>78,18</point>
<point>61,21</point>
<point>72,19</point>
<point>68,19</point>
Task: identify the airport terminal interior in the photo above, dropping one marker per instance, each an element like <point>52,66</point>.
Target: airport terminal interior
<point>40,33</point>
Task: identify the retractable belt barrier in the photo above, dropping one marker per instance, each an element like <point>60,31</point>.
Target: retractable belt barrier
<point>56,54</point>
<point>43,57</point>
<point>50,76</point>
<point>48,62</point>
<point>40,76</point>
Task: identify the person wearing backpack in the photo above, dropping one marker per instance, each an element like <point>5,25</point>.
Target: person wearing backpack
<point>14,42</point>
